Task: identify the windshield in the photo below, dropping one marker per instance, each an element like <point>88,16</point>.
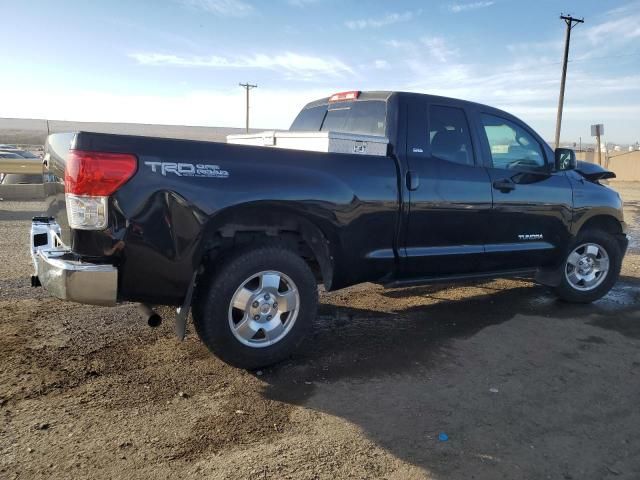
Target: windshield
<point>363,117</point>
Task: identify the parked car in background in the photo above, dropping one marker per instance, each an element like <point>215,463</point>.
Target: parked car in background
<point>23,153</point>
<point>9,154</point>
<point>10,159</point>
<point>21,179</point>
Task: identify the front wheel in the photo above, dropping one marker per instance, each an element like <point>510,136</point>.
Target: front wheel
<point>591,268</point>
<point>257,307</point>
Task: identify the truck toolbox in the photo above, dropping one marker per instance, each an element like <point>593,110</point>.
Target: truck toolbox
<point>328,142</point>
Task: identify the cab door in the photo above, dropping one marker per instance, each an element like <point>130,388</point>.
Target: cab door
<point>449,193</point>
<point>532,203</point>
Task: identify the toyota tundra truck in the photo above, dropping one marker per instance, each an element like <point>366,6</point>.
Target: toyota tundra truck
<point>242,235</point>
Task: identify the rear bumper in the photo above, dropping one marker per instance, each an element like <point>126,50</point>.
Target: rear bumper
<point>76,281</point>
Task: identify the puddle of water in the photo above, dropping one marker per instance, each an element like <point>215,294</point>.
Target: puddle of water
<point>633,232</point>
<point>633,229</point>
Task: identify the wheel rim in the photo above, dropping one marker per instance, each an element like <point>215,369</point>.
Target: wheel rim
<point>587,267</point>
<point>263,309</point>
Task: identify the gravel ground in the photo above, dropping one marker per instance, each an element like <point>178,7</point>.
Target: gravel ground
<point>522,385</point>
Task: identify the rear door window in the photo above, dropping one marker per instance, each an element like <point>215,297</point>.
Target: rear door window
<point>449,135</point>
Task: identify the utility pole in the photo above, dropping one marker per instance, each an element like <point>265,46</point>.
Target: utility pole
<point>247,86</point>
<point>597,131</point>
<point>571,22</point>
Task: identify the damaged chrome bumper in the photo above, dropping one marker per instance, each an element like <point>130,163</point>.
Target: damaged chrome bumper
<point>66,277</point>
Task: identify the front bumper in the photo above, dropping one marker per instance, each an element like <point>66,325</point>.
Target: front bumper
<point>77,281</point>
<point>62,274</point>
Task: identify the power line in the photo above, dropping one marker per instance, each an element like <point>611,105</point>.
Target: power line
<point>247,86</point>
<point>571,23</point>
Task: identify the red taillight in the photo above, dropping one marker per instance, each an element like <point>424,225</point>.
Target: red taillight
<point>97,173</point>
<point>344,96</point>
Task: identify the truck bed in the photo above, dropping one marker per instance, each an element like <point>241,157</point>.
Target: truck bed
<point>165,217</point>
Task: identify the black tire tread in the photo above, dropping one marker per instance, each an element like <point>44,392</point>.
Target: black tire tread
<point>610,244</point>
<point>215,292</point>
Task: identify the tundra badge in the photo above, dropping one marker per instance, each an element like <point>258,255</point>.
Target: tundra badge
<point>531,236</point>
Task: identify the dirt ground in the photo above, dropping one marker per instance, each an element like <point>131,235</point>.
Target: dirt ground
<point>522,385</point>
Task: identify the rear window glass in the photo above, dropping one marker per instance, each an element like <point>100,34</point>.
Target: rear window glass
<point>309,119</point>
<point>364,117</point>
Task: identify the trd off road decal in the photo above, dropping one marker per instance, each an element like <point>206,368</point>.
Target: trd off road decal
<point>187,169</point>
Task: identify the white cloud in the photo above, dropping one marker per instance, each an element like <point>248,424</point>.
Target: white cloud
<point>463,7</point>
<point>438,48</point>
<point>381,64</point>
<point>625,28</point>
<point>542,46</point>
<point>425,50</point>
<point>223,8</point>
<point>631,7</point>
<point>292,65</point>
<point>301,3</point>
<point>396,43</point>
<point>388,19</point>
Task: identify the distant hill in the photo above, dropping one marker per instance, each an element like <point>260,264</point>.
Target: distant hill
<point>34,131</point>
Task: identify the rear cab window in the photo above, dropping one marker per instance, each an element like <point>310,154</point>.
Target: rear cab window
<point>364,117</point>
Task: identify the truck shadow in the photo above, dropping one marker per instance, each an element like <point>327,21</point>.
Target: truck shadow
<point>401,377</point>
<point>354,342</point>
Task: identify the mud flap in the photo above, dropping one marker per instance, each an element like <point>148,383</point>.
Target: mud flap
<point>183,311</point>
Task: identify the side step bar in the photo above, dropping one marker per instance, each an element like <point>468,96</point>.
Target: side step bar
<point>412,282</point>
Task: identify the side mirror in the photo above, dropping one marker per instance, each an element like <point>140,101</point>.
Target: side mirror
<point>565,159</point>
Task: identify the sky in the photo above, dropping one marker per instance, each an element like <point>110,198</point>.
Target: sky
<point>180,61</point>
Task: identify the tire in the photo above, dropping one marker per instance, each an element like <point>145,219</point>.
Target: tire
<point>248,278</point>
<point>584,247</point>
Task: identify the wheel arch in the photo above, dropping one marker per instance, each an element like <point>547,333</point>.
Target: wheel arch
<point>244,225</point>
<point>605,222</point>
<point>610,223</point>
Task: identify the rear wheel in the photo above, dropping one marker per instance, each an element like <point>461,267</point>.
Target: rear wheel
<point>257,307</point>
<point>591,268</point>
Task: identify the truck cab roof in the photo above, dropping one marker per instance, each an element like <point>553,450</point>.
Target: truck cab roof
<point>386,95</point>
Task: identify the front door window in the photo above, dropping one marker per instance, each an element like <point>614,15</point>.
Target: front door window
<point>512,147</point>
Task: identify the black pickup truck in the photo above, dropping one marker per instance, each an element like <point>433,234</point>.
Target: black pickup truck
<point>244,234</point>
